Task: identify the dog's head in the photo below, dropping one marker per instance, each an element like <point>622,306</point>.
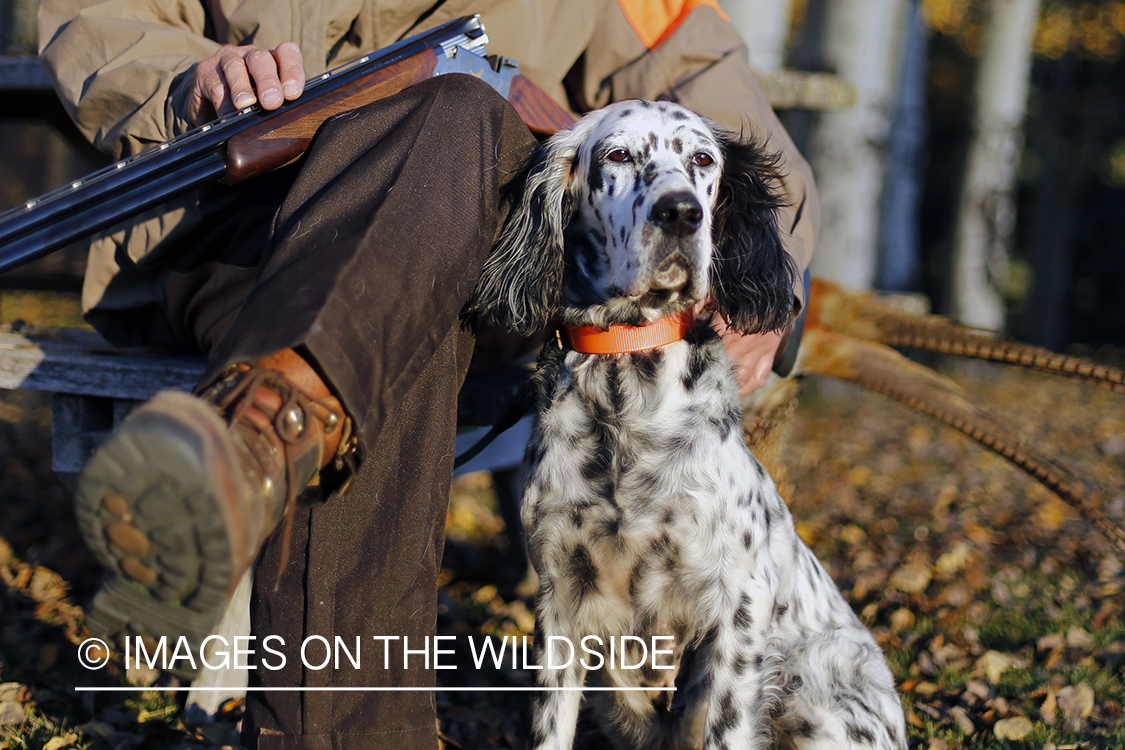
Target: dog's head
<point>639,211</point>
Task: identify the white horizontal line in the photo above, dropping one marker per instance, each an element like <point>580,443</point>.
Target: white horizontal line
<point>364,689</point>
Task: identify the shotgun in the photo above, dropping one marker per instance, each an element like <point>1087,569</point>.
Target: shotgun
<point>252,141</point>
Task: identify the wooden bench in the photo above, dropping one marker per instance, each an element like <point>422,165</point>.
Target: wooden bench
<point>93,386</point>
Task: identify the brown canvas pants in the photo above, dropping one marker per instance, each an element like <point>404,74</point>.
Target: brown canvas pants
<point>377,244</point>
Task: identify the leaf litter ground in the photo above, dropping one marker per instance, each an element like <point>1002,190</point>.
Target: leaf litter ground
<point>1001,612</point>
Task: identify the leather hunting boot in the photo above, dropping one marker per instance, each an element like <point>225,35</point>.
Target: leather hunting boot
<point>178,501</point>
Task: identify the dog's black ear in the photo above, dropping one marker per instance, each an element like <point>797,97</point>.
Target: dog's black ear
<point>521,282</point>
<point>752,276</point>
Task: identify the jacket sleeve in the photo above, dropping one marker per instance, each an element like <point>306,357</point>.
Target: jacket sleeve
<point>122,67</point>
<point>686,51</point>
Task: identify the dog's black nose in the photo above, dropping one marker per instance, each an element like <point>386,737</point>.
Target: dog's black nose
<point>677,213</point>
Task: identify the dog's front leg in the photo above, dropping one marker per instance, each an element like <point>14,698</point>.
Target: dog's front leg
<point>739,681</point>
<point>555,715</point>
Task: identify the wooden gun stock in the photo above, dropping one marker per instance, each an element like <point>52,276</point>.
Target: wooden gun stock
<point>275,142</point>
<point>284,137</point>
<point>537,110</point>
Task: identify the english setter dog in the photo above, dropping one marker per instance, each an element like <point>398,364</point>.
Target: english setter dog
<point>645,513</point>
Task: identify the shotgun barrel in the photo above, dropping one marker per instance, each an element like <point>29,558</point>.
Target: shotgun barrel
<point>235,147</point>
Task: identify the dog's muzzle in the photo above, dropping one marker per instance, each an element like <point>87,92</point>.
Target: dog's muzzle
<point>677,214</point>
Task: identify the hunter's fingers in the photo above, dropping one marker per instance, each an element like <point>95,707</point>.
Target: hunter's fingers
<point>291,69</point>
<point>239,88</point>
<point>263,69</point>
<point>236,77</point>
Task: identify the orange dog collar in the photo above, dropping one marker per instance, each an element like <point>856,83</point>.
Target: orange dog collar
<point>626,339</point>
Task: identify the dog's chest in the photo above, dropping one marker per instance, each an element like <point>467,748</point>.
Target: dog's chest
<point>639,485</point>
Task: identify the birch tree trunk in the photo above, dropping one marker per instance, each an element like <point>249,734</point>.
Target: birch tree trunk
<point>764,25</point>
<point>862,44</point>
<point>987,211</point>
<point>900,257</point>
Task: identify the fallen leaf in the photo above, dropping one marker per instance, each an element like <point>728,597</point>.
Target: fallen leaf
<point>953,560</point>
<point>853,535</point>
<point>1049,709</point>
<point>994,664</point>
<point>911,578</point>
<point>926,690</point>
<point>11,713</point>
<point>1052,514</point>
<point>1076,702</point>
<point>58,743</point>
<point>901,619</point>
<point>1015,728</point>
<point>962,720</point>
<point>1080,639</point>
<point>1050,642</point>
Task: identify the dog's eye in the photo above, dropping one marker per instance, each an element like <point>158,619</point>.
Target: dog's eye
<point>702,160</point>
<point>618,155</point>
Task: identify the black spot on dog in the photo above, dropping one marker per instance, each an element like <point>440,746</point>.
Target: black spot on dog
<point>644,364</point>
<point>583,571</point>
<point>728,715</point>
<point>636,577</point>
<point>860,734</point>
<point>594,178</point>
<point>742,617</point>
<point>678,115</point>
<point>740,664</point>
<point>677,145</point>
<point>782,609</point>
<point>609,528</point>
<point>747,540</point>
<point>661,545</point>
<point>649,175</point>
<point>699,360</point>
<point>803,728</point>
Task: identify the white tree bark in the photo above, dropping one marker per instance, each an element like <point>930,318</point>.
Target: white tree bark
<point>862,43</point>
<point>987,211</point>
<point>764,24</point>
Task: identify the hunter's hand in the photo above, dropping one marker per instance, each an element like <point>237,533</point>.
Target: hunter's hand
<point>236,77</point>
<point>752,355</point>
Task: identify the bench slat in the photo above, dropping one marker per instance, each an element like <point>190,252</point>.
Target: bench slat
<point>82,363</point>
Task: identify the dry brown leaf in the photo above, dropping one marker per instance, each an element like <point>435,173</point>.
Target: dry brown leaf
<point>1049,710</point>
<point>1051,642</point>
<point>911,578</point>
<point>1015,728</point>
<point>962,720</point>
<point>954,560</point>
<point>1076,701</point>
<point>994,664</point>
<point>58,743</point>
<point>901,619</point>
<point>1079,639</point>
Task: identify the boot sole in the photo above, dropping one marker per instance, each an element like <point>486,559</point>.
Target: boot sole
<point>150,507</point>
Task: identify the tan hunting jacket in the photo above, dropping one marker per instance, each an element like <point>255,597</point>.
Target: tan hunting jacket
<point>122,69</point>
